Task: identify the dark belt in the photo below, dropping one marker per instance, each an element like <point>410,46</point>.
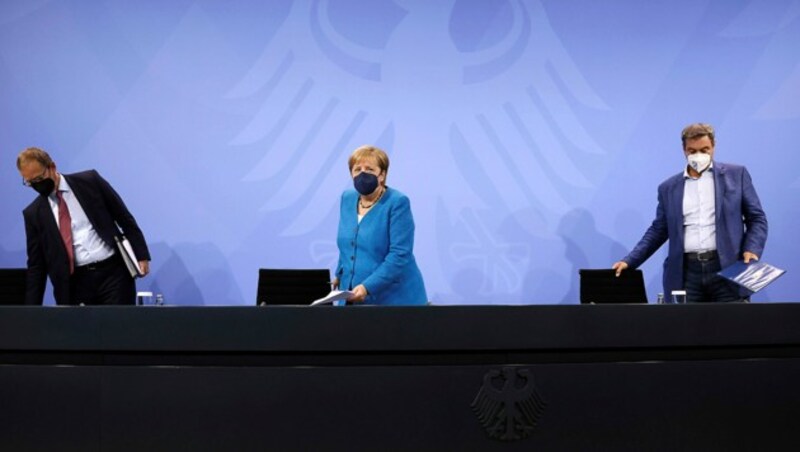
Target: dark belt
<point>99,265</point>
<point>701,256</point>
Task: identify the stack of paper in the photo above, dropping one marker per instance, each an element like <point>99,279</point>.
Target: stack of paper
<point>335,295</point>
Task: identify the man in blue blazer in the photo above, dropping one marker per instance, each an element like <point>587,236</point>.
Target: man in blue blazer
<point>71,231</point>
<point>376,237</point>
<point>712,217</point>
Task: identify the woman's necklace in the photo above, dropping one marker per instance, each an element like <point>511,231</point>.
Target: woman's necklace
<point>365,207</point>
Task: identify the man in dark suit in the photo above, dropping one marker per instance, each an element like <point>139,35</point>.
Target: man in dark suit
<point>712,217</point>
<point>72,229</point>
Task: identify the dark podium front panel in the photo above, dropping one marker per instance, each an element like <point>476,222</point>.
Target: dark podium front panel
<point>606,377</point>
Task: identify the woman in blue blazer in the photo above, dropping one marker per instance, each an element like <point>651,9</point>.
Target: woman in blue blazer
<point>376,237</point>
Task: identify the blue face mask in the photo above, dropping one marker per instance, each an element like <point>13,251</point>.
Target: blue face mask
<point>365,183</point>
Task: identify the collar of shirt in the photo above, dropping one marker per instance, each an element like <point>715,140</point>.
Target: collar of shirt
<point>63,186</point>
<point>686,174</point>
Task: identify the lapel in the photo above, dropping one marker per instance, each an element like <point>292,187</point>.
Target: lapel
<point>677,207</point>
<point>376,208</point>
<point>52,243</point>
<point>719,190</point>
<point>81,196</point>
<point>46,218</point>
<point>352,210</point>
<point>380,208</point>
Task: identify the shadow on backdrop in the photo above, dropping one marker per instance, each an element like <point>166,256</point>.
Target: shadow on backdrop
<point>631,225</point>
<point>585,247</point>
<point>190,274</point>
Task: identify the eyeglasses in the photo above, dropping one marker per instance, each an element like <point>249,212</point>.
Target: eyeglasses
<point>35,180</point>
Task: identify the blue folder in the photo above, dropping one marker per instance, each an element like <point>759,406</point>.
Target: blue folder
<point>753,276</point>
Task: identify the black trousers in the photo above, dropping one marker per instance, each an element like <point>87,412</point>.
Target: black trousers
<point>104,283</point>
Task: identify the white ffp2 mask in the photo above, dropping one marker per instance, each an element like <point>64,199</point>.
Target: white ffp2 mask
<point>699,161</point>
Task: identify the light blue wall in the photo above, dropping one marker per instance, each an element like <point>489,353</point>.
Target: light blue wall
<point>529,135</point>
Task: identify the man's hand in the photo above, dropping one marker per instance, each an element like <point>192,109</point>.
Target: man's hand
<point>359,294</point>
<point>145,266</point>
<point>335,284</point>
<point>619,266</point>
<point>748,256</point>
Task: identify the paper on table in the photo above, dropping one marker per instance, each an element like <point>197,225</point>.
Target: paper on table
<point>335,295</point>
<point>753,276</point>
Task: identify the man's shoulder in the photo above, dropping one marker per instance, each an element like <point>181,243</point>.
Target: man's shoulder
<point>34,205</point>
<point>84,181</point>
<point>671,181</point>
<point>86,175</point>
<point>729,167</point>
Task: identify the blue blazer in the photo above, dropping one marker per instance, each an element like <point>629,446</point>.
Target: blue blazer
<point>741,224</point>
<point>378,252</point>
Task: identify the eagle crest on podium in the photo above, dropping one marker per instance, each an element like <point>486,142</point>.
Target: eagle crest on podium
<point>508,406</point>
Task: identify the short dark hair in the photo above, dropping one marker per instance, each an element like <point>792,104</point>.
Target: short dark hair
<point>34,154</point>
<point>697,130</point>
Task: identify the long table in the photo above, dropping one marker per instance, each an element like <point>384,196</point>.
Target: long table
<point>561,377</point>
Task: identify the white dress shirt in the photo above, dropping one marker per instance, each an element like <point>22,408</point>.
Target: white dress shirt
<point>87,244</point>
<point>699,225</point>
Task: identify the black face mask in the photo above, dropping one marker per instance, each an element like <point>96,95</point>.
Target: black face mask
<point>44,187</point>
<point>365,183</point>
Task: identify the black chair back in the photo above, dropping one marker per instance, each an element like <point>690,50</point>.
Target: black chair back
<point>291,286</point>
<point>12,286</point>
<point>603,286</point>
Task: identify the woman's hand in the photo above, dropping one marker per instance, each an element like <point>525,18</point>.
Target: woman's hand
<point>359,294</point>
<point>335,284</point>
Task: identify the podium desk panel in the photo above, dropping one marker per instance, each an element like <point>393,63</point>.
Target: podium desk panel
<point>562,377</point>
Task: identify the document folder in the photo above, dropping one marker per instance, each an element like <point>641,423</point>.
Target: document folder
<point>753,276</point>
<point>126,251</point>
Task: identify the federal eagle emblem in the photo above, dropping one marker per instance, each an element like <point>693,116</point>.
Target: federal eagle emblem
<point>508,406</point>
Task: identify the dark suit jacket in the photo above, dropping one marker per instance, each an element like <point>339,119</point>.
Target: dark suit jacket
<point>741,224</point>
<point>46,253</point>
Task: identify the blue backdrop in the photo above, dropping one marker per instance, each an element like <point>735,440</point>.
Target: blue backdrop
<point>530,135</point>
